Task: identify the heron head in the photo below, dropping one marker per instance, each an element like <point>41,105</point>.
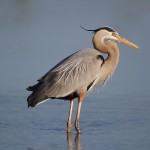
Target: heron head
<point>109,34</point>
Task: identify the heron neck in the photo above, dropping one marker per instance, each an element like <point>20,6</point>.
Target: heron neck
<point>113,54</point>
<point>113,57</point>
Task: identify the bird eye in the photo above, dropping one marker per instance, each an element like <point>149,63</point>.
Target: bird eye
<point>113,34</point>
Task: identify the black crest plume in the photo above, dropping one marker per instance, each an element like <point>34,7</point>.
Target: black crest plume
<point>102,28</point>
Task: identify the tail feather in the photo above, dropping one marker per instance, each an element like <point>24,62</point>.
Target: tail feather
<point>38,94</point>
<point>34,87</point>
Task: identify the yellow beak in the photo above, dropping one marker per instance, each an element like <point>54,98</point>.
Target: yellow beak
<point>124,41</point>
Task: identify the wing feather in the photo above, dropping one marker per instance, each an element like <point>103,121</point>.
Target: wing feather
<point>73,74</point>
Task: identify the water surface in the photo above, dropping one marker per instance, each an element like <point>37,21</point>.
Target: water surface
<point>106,123</point>
<point>34,36</point>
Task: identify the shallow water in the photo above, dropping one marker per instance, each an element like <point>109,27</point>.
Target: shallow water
<point>34,36</point>
<point>106,123</point>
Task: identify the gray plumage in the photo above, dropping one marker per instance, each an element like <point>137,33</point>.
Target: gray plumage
<point>80,72</point>
<point>72,75</point>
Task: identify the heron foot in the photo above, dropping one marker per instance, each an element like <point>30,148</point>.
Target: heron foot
<point>69,125</point>
<point>77,127</point>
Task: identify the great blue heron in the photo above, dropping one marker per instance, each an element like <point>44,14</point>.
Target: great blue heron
<point>80,72</point>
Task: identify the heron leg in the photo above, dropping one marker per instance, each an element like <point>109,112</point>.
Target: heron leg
<point>80,99</point>
<point>69,125</point>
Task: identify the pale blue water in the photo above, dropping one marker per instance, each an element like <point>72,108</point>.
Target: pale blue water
<point>34,36</point>
<point>106,123</point>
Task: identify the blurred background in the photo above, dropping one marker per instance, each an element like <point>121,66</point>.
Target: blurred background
<point>35,35</point>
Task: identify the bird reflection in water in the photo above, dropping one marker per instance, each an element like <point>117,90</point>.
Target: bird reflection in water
<point>71,145</point>
<point>76,145</point>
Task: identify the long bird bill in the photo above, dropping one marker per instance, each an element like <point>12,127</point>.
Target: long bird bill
<point>124,41</point>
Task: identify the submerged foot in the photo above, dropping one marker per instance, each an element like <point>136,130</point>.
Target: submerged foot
<point>69,125</point>
<point>77,127</point>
